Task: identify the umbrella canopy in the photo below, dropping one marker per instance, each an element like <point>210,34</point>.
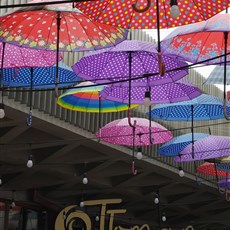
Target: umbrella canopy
<point>209,169</point>
<point>113,64</point>
<point>121,133</point>
<point>37,27</point>
<point>87,99</point>
<point>122,12</point>
<point>41,77</point>
<point>216,76</point>
<point>180,90</point>
<point>177,144</point>
<point>206,148</point>
<point>224,167</point>
<point>15,56</point>
<point>198,42</point>
<point>224,183</point>
<point>205,107</point>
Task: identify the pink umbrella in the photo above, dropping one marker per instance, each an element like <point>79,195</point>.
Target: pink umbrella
<point>206,148</point>
<point>15,56</point>
<point>121,133</point>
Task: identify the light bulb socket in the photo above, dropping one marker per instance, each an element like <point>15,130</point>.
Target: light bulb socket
<point>173,2</point>
<point>139,150</point>
<point>2,106</point>
<point>30,157</point>
<point>180,168</point>
<point>147,94</point>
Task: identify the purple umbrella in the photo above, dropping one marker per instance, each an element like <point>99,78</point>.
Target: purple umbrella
<point>181,90</point>
<point>15,56</point>
<point>225,183</point>
<point>206,148</point>
<point>129,59</point>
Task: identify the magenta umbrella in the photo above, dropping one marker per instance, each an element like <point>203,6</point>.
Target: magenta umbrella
<point>206,148</point>
<point>181,90</point>
<point>18,57</point>
<point>121,133</point>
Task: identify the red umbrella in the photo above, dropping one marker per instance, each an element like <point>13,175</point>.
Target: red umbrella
<point>209,169</point>
<point>57,27</point>
<point>139,14</point>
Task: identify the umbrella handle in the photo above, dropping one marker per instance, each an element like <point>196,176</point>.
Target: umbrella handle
<point>134,170</point>
<point>142,10</point>
<point>129,119</point>
<point>227,196</point>
<point>161,65</point>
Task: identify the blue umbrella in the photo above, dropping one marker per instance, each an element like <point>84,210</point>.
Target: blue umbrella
<point>223,167</point>
<point>203,107</point>
<point>177,144</point>
<point>42,77</point>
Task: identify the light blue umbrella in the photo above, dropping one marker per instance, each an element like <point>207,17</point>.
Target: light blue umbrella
<point>39,77</point>
<point>177,144</point>
<point>203,107</point>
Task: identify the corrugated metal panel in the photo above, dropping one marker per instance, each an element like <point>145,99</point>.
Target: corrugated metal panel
<point>46,102</point>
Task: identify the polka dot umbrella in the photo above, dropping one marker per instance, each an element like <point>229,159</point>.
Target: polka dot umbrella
<point>177,144</point>
<point>209,169</point>
<point>180,90</point>
<point>86,98</point>
<point>126,61</point>
<point>206,148</point>
<point>17,57</point>
<point>139,14</point>
<point>121,133</point>
<point>203,107</point>
<point>39,77</point>
<point>224,167</point>
<point>57,27</point>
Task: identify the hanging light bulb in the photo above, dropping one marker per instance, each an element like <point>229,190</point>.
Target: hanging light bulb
<point>163,217</point>
<point>13,204</point>
<point>147,100</point>
<point>139,154</point>
<point>2,110</point>
<point>174,10</point>
<point>97,218</point>
<point>181,172</point>
<point>0,180</point>
<point>156,200</point>
<point>30,161</point>
<point>85,179</point>
<point>82,204</point>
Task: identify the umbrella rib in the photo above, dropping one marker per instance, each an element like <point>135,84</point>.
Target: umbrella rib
<point>64,18</point>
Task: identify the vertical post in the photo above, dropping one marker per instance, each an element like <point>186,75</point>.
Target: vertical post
<point>1,74</point>
<point>57,52</point>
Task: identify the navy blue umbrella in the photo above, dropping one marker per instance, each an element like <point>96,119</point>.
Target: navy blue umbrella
<point>177,144</point>
<point>39,77</point>
<point>224,167</point>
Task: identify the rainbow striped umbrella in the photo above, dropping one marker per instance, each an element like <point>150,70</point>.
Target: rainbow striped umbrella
<point>86,98</point>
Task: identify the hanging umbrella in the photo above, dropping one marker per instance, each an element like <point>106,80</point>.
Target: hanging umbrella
<point>119,132</point>
<point>206,148</point>
<point>224,183</point>
<point>180,90</point>
<point>40,26</point>
<point>57,27</point>
<point>138,14</point>
<point>209,169</point>
<point>205,107</point>
<point>128,59</point>
<point>88,99</point>
<point>198,42</point>
<point>42,77</point>
<point>224,167</point>
<point>18,57</point>
<point>177,144</point>
<point>216,76</point>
